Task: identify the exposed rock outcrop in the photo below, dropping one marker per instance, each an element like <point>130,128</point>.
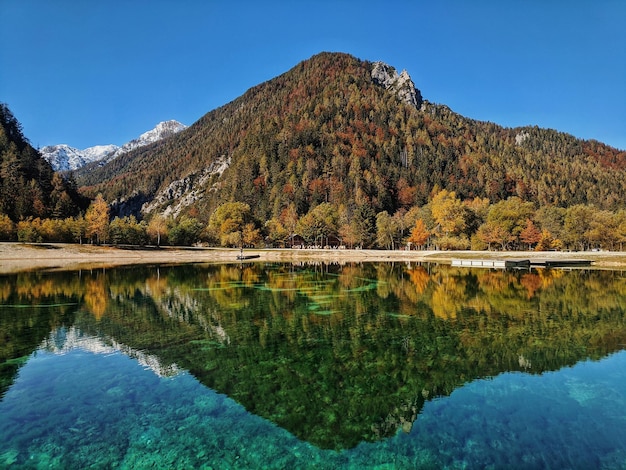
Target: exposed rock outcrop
<point>387,76</point>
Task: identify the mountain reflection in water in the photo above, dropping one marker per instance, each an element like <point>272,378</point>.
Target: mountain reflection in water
<point>336,355</point>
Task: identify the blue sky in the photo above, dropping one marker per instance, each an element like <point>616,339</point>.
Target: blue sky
<point>87,72</point>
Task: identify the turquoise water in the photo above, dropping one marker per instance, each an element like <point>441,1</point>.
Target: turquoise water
<point>372,366</point>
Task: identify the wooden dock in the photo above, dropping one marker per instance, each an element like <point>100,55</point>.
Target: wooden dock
<point>521,263</point>
<point>561,263</point>
<point>492,263</point>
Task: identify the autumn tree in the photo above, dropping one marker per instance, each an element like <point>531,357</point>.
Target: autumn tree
<point>419,235</point>
<point>228,221</point>
<point>509,217</point>
<point>363,222</point>
<point>547,242</point>
<point>157,228</point>
<point>251,235</point>
<point>577,223</point>
<point>491,232</point>
<point>97,218</point>
<point>7,228</point>
<point>277,233</point>
<point>449,213</point>
<point>621,228</point>
<point>603,230</point>
<point>289,219</point>
<point>530,235</point>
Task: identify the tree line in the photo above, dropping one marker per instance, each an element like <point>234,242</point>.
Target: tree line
<point>28,185</point>
<point>446,222</point>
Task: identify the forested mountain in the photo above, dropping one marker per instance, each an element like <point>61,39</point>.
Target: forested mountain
<point>330,130</point>
<point>28,185</point>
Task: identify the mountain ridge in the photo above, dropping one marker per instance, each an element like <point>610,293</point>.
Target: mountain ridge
<point>335,129</point>
<point>63,157</point>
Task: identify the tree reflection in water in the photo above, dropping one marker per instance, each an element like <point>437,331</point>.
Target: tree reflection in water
<point>334,354</point>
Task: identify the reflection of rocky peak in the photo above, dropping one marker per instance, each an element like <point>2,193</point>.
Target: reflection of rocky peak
<point>387,76</point>
<point>401,417</point>
<point>63,340</point>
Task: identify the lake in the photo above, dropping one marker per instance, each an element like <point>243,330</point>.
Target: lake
<point>313,366</point>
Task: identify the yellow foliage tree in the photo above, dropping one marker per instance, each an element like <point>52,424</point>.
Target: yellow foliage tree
<point>97,218</point>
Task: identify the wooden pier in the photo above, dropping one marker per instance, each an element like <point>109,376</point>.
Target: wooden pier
<point>521,263</point>
<point>561,263</point>
<point>492,263</point>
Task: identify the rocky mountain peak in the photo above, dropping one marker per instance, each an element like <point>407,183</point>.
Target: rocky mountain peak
<point>387,76</point>
<point>65,158</point>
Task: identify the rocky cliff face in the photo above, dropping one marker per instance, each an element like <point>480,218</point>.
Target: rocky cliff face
<point>388,77</point>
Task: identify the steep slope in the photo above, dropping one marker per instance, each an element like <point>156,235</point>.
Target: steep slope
<point>350,132</point>
<point>62,157</point>
<point>28,185</point>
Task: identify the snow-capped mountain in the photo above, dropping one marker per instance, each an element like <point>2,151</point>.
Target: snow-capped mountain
<point>62,157</point>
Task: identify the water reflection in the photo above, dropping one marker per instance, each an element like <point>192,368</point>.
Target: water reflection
<point>336,355</point>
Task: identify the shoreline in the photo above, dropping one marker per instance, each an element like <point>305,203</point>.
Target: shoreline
<point>17,257</point>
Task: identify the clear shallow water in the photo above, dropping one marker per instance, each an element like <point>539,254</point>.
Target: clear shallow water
<point>372,366</point>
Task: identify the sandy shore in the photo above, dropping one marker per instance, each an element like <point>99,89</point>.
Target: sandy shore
<point>15,257</point>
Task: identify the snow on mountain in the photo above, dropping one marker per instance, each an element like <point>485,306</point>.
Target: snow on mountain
<point>62,157</point>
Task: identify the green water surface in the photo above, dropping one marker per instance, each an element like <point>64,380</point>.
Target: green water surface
<point>313,366</point>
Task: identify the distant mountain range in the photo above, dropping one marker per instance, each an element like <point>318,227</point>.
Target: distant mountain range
<point>62,157</point>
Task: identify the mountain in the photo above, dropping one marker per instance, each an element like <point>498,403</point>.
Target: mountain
<point>28,185</point>
<point>358,135</point>
<point>62,157</point>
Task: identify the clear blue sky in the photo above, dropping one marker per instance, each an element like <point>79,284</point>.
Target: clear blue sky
<point>86,72</point>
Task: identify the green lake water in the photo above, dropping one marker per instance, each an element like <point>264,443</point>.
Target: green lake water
<point>313,366</point>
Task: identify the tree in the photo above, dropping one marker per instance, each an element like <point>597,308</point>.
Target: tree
<point>510,216</point>
<point>621,229</point>
<point>551,218</point>
<point>276,232</point>
<point>419,235</point>
<point>319,223</point>
<point>157,227</point>
<point>604,230</point>
<point>531,234</point>
<point>77,227</point>
<point>97,218</point>
<point>386,230</point>
<point>127,230</point>
<point>11,183</point>
<point>228,221</point>
<point>185,231</point>
<point>577,223</point>
<point>251,236</point>
<point>348,234</point>
<point>364,223</point>
<point>547,242</point>
<point>491,232</point>
<point>449,212</point>
<point>289,219</point>
<point>7,228</point>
